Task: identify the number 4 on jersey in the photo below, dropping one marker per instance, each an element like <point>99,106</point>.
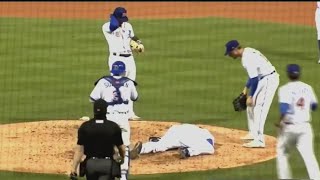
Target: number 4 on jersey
<point>301,103</point>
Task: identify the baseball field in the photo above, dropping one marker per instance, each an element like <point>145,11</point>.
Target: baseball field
<point>53,52</point>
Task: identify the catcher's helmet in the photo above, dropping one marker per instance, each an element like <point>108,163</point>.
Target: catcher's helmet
<point>118,68</point>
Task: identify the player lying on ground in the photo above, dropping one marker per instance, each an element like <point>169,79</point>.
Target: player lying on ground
<point>190,139</point>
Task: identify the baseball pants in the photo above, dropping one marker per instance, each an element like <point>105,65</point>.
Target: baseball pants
<point>99,169</point>
<point>301,137</point>
<point>262,100</point>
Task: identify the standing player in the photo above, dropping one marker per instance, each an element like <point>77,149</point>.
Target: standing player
<point>263,82</point>
<point>119,34</point>
<point>117,90</point>
<point>296,100</point>
<point>190,139</point>
<point>317,19</point>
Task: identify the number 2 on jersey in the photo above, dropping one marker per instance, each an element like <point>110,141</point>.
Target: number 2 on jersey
<point>301,103</point>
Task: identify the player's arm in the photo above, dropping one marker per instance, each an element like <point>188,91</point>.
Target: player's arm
<point>247,87</point>
<point>114,23</point>
<point>96,92</point>
<point>284,105</point>
<point>314,100</point>
<point>134,93</point>
<point>132,35</point>
<point>79,150</point>
<point>119,144</point>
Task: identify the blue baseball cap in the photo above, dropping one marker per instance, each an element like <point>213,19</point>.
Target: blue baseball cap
<point>231,45</point>
<point>121,14</point>
<point>118,68</point>
<point>293,69</point>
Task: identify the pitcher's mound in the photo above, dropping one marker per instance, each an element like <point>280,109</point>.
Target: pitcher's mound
<point>47,147</point>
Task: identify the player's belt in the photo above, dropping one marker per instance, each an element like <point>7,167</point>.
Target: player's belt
<point>117,112</point>
<point>267,75</point>
<point>122,55</point>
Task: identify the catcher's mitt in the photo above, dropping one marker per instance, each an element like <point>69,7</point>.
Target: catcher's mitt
<point>136,46</point>
<point>240,102</point>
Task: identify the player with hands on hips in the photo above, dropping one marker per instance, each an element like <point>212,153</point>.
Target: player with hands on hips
<point>263,82</point>
<point>296,99</point>
<point>122,40</point>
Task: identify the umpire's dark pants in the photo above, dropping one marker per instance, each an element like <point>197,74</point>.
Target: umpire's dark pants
<point>99,169</point>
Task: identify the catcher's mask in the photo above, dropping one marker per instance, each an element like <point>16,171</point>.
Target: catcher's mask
<point>100,108</point>
<point>118,68</point>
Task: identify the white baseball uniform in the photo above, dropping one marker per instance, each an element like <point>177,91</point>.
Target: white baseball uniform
<point>196,140</point>
<point>317,19</point>
<point>119,45</point>
<point>297,131</point>
<point>117,91</point>
<point>257,65</point>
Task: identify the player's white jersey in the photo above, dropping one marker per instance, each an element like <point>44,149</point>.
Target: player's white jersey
<point>105,90</point>
<point>256,63</point>
<point>318,4</point>
<point>119,39</point>
<point>299,96</point>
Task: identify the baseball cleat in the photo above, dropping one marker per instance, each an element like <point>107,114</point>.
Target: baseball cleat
<point>184,153</point>
<point>254,144</point>
<point>135,152</point>
<point>247,137</point>
<point>135,118</point>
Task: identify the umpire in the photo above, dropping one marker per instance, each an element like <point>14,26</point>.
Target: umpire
<point>97,139</point>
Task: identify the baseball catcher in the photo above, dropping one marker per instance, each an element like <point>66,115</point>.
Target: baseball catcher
<point>239,103</point>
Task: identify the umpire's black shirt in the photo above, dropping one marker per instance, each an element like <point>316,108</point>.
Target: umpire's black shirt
<point>98,137</point>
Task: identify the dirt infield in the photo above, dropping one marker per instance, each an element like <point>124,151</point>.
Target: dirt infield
<point>281,12</point>
<point>47,147</point>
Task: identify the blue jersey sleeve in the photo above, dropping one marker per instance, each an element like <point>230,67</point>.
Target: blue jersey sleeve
<point>314,106</point>
<point>253,85</point>
<point>248,83</point>
<point>284,108</point>
<point>114,24</point>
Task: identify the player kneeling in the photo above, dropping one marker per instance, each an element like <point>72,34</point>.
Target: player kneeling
<point>190,139</point>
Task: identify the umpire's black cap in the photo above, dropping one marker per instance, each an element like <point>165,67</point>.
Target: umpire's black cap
<point>100,107</point>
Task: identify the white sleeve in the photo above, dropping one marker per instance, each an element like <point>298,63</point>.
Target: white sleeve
<point>130,29</point>
<point>105,29</point>
<point>96,92</point>
<point>313,96</point>
<point>284,96</point>
<point>134,92</point>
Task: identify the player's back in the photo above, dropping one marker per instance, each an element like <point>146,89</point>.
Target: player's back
<point>193,132</point>
<point>116,91</point>
<point>253,58</point>
<point>299,96</point>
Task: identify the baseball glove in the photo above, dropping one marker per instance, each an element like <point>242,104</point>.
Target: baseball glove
<point>240,102</point>
<point>136,46</point>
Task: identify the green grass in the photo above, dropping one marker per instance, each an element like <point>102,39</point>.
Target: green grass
<point>48,68</point>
